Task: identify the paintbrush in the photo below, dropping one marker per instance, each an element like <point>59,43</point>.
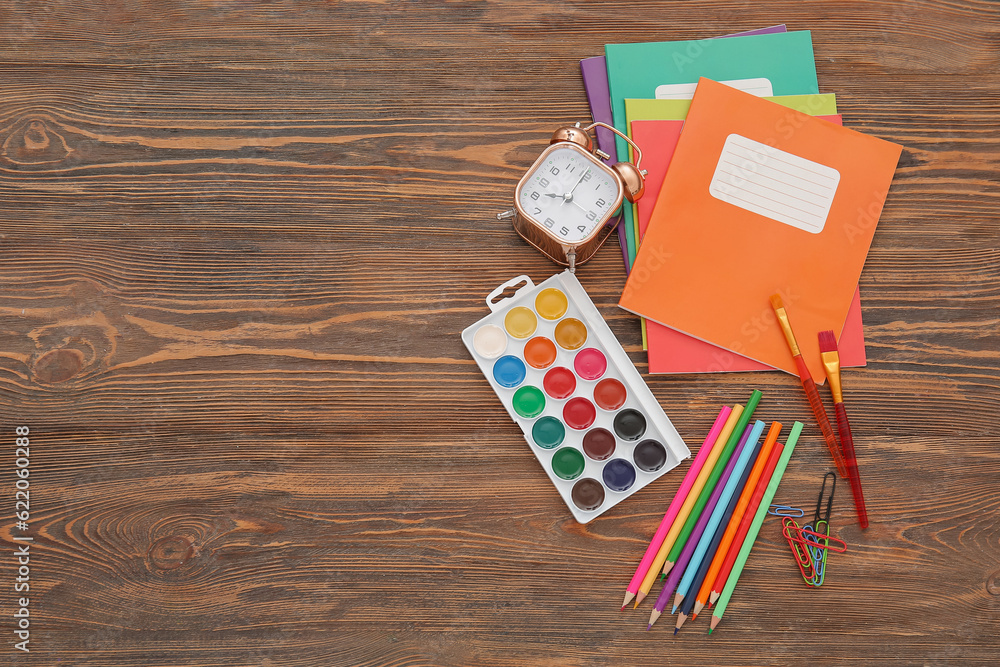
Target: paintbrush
<point>831,362</point>
<point>808,385</point>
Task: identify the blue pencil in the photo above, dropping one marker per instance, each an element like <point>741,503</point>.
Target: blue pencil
<point>733,486</point>
<point>719,497</point>
<point>688,603</point>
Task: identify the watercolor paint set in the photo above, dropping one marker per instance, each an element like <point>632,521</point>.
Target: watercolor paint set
<point>586,413</point>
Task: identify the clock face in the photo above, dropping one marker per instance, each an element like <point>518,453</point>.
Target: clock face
<point>569,194</point>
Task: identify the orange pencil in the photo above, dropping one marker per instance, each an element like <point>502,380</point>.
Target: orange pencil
<point>734,522</point>
<point>682,515</point>
<point>748,518</point>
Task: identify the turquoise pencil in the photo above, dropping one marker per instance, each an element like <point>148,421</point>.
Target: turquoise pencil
<point>746,459</point>
<point>758,520</point>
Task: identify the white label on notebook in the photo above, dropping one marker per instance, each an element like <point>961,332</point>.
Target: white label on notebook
<point>778,185</point>
<point>760,87</point>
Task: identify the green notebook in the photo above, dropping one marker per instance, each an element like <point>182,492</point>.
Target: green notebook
<point>775,64</point>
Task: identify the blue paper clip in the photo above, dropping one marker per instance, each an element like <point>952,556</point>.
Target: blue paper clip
<point>785,510</point>
<point>819,553</point>
<point>821,526</point>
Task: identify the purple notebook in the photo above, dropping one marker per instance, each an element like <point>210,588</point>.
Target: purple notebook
<point>595,83</point>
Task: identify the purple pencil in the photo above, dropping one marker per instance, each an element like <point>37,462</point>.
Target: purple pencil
<point>675,572</point>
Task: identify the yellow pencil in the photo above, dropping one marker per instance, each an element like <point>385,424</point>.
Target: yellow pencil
<point>685,511</point>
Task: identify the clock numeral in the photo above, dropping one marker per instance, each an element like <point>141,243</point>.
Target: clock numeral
<point>589,176</point>
<point>549,222</point>
<point>537,210</point>
<point>582,229</point>
<point>535,195</point>
<point>601,202</point>
<point>591,216</point>
<point>544,182</point>
<point>555,171</point>
<point>564,231</point>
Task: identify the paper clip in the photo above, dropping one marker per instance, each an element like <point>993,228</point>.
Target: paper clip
<point>821,526</point>
<point>819,515</point>
<point>802,558</point>
<point>819,555</point>
<point>786,510</point>
<point>834,544</point>
<point>811,542</point>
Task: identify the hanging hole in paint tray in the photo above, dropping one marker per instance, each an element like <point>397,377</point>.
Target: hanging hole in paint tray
<point>507,293</point>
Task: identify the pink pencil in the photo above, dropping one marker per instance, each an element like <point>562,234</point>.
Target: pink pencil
<point>675,505</point>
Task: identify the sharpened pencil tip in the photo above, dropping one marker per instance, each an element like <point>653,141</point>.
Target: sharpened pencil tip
<point>710,631</point>
<point>649,627</point>
<point>674,610</point>
<point>675,631</point>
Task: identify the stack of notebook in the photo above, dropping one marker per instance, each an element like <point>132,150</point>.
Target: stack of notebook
<point>754,188</point>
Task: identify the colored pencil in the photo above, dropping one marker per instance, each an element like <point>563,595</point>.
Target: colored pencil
<point>745,523</point>
<point>831,363</point>
<point>710,484</point>
<point>737,516</point>
<point>675,504</point>
<point>727,481</point>
<point>808,385</point>
<point>680,621</point>
<point>724,507</point>
<point>687,603</point>
<point>741,559</point>
<point>682,514</point>
<point>698,583</point>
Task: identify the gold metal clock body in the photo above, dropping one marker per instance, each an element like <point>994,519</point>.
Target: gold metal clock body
<point>543,232</point>
<point>565,204</point>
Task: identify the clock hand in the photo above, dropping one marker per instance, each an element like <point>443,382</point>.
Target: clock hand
<point>569,195</point>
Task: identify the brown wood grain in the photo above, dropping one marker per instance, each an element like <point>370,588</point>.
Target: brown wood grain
<point>238,243</point>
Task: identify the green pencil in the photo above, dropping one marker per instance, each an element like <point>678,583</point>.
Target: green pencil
<point>758,520</point>
<point>713,479</point>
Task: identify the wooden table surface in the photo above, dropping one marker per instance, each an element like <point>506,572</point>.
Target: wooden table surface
<point>239,243</point>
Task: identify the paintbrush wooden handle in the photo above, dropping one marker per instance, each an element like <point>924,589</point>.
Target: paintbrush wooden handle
<point>851,460</point>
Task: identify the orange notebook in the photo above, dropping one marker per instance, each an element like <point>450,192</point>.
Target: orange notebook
<point>670,351</point>
<point>760,199</point>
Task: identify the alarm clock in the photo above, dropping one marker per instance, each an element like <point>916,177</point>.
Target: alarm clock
<point>563,203</point>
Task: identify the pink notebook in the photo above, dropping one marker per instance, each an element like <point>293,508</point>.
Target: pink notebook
<point>671,351</point>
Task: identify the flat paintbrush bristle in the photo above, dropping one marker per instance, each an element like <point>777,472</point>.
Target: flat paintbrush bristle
<point>827,341</point>
<point>776,301</point>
